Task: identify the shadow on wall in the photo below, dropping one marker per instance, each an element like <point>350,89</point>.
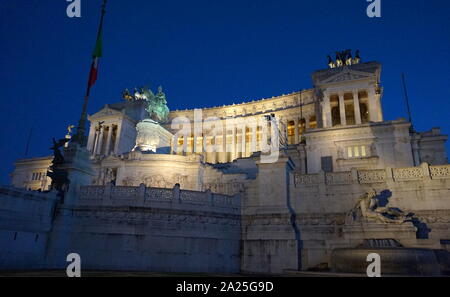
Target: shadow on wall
<point>422,228</point>
<point>293,220</point>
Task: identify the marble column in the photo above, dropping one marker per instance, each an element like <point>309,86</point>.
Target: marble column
<point>373,112</point>
<point>118,132</point>
<point>326,111</point>
<point>185,144</point>
<point>356,107</point>
<point>224,144</point>
<point>194,148</point>
<point>342,109</point>
<point>214,148</point>
<point>204,144</point>
<point>285,130</point>
<point>91,138</point>
<point>318,112</point>
<point>100,141</point>
<point>380,110</point>
<point>108,140</point>
<point>95,141</point>
<point>176,149</point>
<point>243,140</point>
<point>296,130</point>
<point>253,145</point>
<point>236,142</point>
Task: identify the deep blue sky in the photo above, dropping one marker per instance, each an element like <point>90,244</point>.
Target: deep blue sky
<point>208,53</point>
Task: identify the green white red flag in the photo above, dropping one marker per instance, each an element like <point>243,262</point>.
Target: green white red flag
<point>95,56</point>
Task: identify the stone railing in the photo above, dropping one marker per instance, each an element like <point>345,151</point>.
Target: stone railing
<point>442,171</point>
<point>424,171</point>
<point>337,178</point>
<point>372,176</point>
<point>308,179</point>
<point>410,173</point>
<point>142,193</point>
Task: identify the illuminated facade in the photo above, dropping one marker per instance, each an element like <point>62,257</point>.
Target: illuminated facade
<point>335,126</point>
<point>291,213</point>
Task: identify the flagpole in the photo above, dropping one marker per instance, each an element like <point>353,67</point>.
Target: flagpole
<point>80,136</point>
<point>407,102</point>
<point>28,142</point>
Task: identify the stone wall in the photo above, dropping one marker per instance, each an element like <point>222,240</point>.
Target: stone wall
<point>270,239</point>
<point>132,228</point>
<point>287,220</point>
<point>25,223</point>
<point>321,202</point>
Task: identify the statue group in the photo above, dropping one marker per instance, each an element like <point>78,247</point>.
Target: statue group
<point>368,207</point>
<point>344,58</point>
<point>59,176</point>
<point>156,104</point>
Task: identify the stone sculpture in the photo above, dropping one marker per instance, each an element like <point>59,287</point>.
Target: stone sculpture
<point>331,64</point>
<point>368,208</point>
<point>344,58</point>
<point>59,177</point>
<point>156,104</point>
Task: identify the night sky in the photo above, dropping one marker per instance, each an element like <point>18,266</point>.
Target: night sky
<point>207,53</point>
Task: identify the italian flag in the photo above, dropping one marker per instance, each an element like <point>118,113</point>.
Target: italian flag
<point>95,56</point>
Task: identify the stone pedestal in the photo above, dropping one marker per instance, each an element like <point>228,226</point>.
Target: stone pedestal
<point>355,234</point>
<point>271,239</point>
<point>152,137</point>
<point>396,245</point>
<point>77,164</point>
<point>393,261</point>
